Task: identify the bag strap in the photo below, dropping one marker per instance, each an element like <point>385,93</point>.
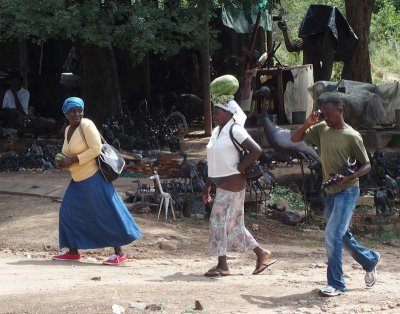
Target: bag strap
<point>84,138</point>
<point>237,145</point>
<point>83,134</point>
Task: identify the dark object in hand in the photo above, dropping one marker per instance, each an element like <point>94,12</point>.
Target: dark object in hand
<point>348,169</point>
<point>333,180</point>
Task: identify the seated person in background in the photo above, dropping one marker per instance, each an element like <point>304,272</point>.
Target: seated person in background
<point>15,103</point>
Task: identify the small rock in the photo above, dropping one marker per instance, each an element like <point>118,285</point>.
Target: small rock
<point>266,304</point>
<point>143,210</point>
<point>302,301</point>
<point>303,310</point>
<point>118,309</point>
<point>254,227</point>
<point>28,255</point>
<point>281,205</point>
<point>96,278</point>
<point>198,306</point>
<point>291,217</point>
<point>137,305</point>
<point>153,307</point>
<point>198,216</point>
<point>392,242</point>
<point>165,244</point>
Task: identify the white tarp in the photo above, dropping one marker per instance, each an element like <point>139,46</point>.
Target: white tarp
<point>296,96</point>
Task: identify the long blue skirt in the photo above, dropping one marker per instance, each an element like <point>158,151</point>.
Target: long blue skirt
<point>92,215</point>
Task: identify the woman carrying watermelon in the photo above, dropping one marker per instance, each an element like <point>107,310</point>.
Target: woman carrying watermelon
<point>227,230</point>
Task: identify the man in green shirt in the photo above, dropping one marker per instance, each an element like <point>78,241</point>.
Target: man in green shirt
<point>336,142</point>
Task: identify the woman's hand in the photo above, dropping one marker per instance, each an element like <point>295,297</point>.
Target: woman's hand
<point>206,197</point>
<point>68,161</point>
<point>206,192</point>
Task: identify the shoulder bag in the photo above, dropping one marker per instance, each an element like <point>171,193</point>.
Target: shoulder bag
<point>110,161</point>
<point>254,171</point>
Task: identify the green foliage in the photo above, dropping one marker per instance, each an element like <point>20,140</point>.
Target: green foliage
<point>291,194</point>
<point>384,236</point>
<point>292,13</point>
<point>385,24</point>
<point>139,27</point>
<point>196,220</point>
<point>365,209</point>
<point>337,71</point>
<point>384,44</point>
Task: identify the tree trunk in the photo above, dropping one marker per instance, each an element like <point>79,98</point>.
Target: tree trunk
<point>205,69</point>
<point>358,14</point>
<point>100,83</point>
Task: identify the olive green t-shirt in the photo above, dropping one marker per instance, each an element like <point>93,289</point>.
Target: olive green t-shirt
<point>335,147</point>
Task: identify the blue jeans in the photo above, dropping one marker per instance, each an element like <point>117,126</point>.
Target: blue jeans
<point>339,209</point>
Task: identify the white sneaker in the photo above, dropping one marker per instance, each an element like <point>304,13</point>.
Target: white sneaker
<point>372,276</point>
<point>329,291</point>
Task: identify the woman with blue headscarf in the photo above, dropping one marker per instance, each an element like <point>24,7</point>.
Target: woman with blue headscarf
<point>92,215</point>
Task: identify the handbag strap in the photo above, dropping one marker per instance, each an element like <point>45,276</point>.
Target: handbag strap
<point>82,134</point>
<point>237,145</point>
<point>84,138</point>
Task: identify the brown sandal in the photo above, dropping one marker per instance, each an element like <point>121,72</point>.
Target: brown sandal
<point>215,272</point>
<point>260,267</point>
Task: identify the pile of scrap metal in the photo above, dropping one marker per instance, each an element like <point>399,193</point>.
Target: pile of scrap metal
<point>164,167</point>
<point>145,134</point>
<point>184,187</point>
<point>383,180</point>
<point>385,175</point>
<point>184,183</point>
<point>35,157</point>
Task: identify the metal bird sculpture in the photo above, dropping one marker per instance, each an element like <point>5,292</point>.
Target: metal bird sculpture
<point>279,139</point>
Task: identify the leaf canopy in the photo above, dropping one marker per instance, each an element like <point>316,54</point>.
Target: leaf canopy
<point>137,26</point>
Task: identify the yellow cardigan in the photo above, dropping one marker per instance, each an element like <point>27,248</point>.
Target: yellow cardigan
<point>87,165</point>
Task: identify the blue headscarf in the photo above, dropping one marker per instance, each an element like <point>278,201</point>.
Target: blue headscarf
<point>72,102</point>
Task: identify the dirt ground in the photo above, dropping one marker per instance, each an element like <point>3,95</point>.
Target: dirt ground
<point>156,280</point>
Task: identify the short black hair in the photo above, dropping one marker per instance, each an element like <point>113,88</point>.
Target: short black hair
<point>17,76</point>
<point>334,100</point>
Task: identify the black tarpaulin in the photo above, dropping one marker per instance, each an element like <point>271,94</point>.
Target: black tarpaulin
<point>322,18</point>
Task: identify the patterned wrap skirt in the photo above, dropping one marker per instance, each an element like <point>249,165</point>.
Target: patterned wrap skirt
<point>92,215</point>
<point>227,230</point>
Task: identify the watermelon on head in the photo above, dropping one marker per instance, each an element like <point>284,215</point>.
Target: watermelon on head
<point>225,85</point>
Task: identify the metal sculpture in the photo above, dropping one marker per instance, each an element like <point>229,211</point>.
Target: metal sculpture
<point>384,196</point>
<point>348,169</point>
<point>139,196</point>
<point>166,198</point>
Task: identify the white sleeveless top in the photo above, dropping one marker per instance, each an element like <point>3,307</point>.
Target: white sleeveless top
<point>222,156</point>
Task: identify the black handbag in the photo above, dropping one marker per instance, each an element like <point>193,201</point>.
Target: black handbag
<point>254,171</point>
<point>110,161</point>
